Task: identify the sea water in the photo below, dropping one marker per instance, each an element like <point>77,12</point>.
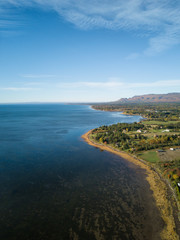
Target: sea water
<point>53,185</point>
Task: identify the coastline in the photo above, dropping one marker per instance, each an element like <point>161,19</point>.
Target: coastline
<point>117,110</point>
<point>157,185</point>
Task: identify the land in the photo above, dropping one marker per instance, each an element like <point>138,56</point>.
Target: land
<point>154,145</point>
<point>153,98</point>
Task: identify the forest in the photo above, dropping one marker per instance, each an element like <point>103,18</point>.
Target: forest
<point>157,111</point>
<point>139,136</point>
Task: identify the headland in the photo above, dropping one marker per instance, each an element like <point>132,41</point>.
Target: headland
<point>164,199</point>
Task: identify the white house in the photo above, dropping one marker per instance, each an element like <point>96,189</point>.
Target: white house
<point>166,130</point>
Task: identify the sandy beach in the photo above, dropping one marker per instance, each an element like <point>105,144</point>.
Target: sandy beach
<point>157,185</point>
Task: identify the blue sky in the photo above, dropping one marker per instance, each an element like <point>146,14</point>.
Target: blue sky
<point>84,51</point>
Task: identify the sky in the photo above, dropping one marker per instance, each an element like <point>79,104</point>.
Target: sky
<point>88,51</point>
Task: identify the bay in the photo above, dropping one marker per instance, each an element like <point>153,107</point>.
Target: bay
<point>55,186</point>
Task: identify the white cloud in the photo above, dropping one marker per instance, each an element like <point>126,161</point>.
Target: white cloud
<point>159,19</point>
<point>16,89</point>
<point>109,84</point>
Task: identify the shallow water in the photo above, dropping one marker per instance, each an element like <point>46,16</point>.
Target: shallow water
<point>55,186</point>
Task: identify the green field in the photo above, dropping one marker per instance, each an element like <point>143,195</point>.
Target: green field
<point>159,122</point>
<point>150,156</point>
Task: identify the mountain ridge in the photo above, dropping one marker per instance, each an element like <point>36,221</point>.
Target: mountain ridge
<point>151,98</point>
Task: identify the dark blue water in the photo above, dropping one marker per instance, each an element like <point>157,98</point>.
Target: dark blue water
<point>53,185</point>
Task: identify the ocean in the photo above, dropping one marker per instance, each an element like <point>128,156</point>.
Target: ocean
<point>54,186</point>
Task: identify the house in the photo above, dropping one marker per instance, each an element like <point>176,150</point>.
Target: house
<point>139,131</point>
<point>172,149</point>
<point>166,130</point>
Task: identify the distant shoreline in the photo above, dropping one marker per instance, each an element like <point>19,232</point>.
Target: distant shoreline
<point>157,185</point>
<point>117,110</point>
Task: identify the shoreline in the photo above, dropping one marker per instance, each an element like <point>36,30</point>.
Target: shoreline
<point>121,112</point>
<point>157,185</point>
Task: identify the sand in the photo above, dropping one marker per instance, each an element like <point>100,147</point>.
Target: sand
<point>157,185</point>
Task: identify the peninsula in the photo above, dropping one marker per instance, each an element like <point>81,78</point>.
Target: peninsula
<point>154,145</point>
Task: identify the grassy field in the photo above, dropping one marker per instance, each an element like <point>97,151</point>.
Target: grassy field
<point>169,155</point>
<point>151,134</point>
<point>159,122</point>
<point>150,156</point>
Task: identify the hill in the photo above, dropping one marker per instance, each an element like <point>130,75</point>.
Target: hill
<point>151,98</point>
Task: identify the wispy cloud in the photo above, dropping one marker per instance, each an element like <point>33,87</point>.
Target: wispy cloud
<point>34,83</point>
<point>165,83</point>
<point>133,56</point>
<point>91,84</point>
<point>121,85</point>
<point>16,89</point>
<point>112,85</point>
<point>159,20</point>
<point>37,76</point>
